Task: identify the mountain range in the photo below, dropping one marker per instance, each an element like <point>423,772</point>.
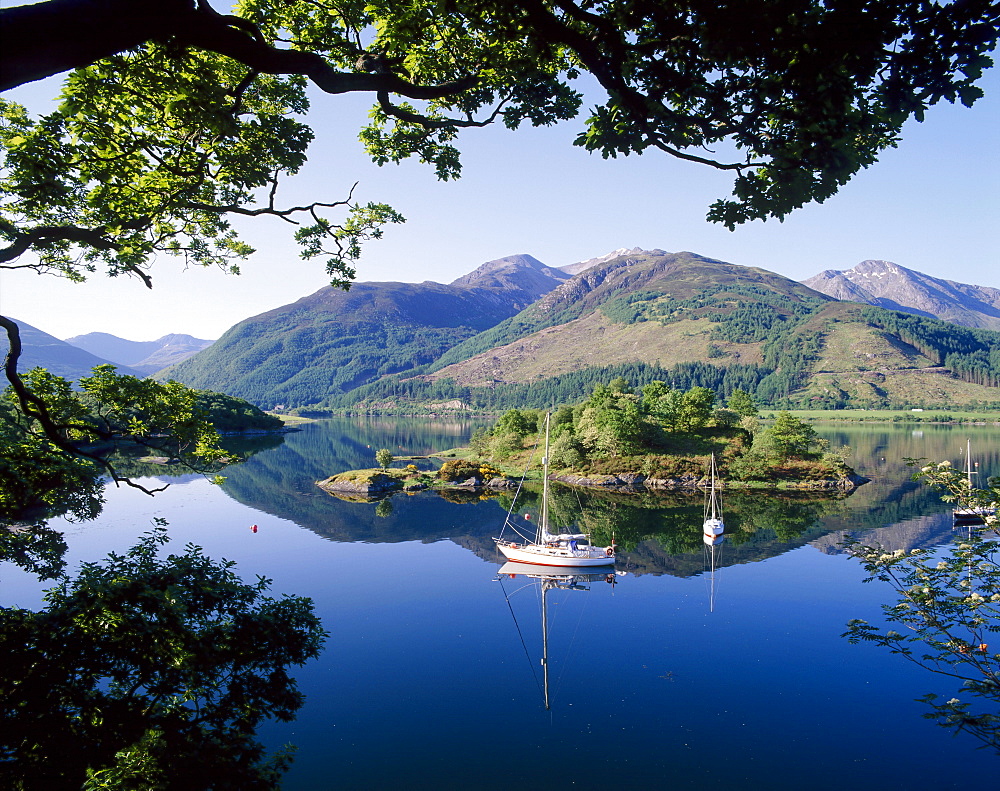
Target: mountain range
<point>515,331</point>
<point>692,320</point>
<point>147,357</point>
<point>333,341</point>
<point>895,287</point>
<point>41,350</point>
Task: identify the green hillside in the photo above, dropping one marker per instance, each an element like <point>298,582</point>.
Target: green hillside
<point>627,289</point>
<point>516,333</point>
<point>694,321</point>
<point>333,341</point>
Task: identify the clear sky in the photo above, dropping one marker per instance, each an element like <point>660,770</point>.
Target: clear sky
<point>931,205</point>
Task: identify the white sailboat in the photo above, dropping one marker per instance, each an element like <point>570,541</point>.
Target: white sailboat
<point>973,515</point>
<point>546,548</point>
<point>713,526</point>
<point>713,551</point>
<point>552,579</point>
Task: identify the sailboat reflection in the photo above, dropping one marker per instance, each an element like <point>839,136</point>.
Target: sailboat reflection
<point>547,580</point>
<point>713,553</point>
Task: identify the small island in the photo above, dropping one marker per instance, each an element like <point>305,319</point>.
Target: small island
<point>625,439</point>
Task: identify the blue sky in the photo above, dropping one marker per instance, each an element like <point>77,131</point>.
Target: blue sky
<point>930,205</point>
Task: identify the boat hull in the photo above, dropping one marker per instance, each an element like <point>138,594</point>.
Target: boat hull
<point>536,555</point>
<point>713,527</point>
<point>972,516</point>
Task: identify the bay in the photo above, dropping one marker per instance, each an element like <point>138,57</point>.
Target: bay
<point>672,676</point>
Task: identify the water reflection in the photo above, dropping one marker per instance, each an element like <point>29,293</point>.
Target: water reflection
<point>651,530</point>
<point>713,555</point>
<point>542,581</point>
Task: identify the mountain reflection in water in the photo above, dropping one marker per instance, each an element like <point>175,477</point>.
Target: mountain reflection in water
<point>651,529</point>
<point>675,678</point>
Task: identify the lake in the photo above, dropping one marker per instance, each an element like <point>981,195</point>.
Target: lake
<point>685,670</point>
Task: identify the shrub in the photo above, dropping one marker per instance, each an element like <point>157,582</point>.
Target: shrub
<point>463,469</point>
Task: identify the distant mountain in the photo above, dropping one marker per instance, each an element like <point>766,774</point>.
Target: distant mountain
<point>692,320</point>
<point>895,287</point>
<point>575,269</point>
<point>624,310</point>
<point>39,349</point>
<point>332,341</point>
<point>145,356</point>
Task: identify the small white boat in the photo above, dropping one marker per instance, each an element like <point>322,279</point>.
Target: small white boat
<point>713,526</point>
<point>973,515</point>
<point>545,548</point>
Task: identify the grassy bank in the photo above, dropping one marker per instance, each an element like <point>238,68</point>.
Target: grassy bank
<point>988,417</point>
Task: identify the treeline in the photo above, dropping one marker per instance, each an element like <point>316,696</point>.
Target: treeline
<point>665,432</point>
<point>228,413</point>
<point>562,389</point>
<point>758,315</point>
<point>972,355</point>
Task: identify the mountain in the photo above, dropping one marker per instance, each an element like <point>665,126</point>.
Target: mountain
<point>895,287</point>
<point>39,349</point>
<point>692,320</point>
<point>145,356</point>
<point>575,269</point>
<point>631,308</point>
<point>332,341</point>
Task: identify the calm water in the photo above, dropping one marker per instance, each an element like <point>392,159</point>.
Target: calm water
<point>672,677</point>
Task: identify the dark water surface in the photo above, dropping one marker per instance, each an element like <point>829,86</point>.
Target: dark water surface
<point>672,677</point>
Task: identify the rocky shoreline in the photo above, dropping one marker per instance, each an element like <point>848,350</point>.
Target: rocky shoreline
<point>637,482</point>
<point>380,484</point>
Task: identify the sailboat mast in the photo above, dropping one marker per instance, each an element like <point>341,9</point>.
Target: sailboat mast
<point>713,496</point>
<point>544,527</point>
<point>712,473</point>
<point>545,642</point>
<point>968,461</point>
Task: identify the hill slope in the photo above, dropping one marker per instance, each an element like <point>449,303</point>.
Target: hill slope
<point>332,341</point>
<point>145,356</point>
<point>888,285</point>
<point>633,307</point>
<point>693,320</point>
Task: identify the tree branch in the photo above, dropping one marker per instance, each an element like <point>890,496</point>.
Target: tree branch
<point>54,36</point>
<point>48,234</point>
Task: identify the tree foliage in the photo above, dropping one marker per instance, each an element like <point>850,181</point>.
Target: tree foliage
<point>384,457</point>
<point>54,440</point>
<point>178,117</point>
<point>153,672</point>
<point>948,605</point>
<point>49,439</point>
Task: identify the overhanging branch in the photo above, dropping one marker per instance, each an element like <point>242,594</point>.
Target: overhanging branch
<point>58,35</point>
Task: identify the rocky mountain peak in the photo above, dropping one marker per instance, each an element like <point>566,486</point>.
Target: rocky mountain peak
<point>889,285</point>
<point>582,266</point>
<point>507,267</point>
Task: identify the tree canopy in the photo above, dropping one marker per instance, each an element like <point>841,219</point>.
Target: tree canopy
<point>177,117</point>
<point>150,671</point>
